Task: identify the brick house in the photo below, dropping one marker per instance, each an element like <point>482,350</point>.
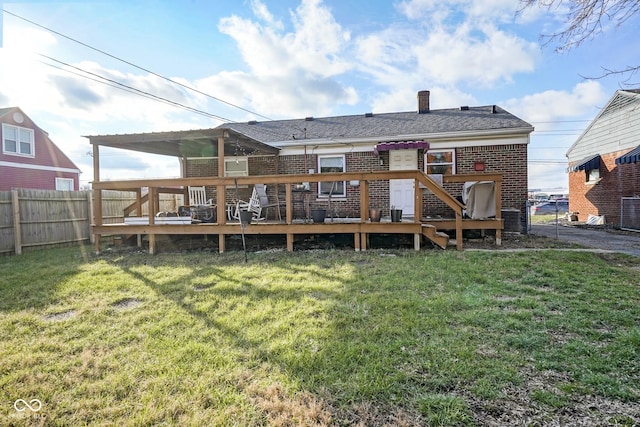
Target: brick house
<point>604,165</point>
<point>29,159</point>
<point>444,141</point>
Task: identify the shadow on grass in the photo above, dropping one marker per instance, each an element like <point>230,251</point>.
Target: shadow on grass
<point>34,278</point>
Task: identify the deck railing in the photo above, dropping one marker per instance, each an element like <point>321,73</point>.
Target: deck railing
<point>289,181</point>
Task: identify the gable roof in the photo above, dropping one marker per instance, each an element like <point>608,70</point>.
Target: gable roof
<point>62,160</point>
<point>383,127</point>
<point>621,99</point>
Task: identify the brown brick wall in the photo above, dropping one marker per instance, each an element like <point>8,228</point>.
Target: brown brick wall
<point>603,198</point>
<point>509,160</point>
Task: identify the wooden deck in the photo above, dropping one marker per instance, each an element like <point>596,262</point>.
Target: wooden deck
<point>360,228</point>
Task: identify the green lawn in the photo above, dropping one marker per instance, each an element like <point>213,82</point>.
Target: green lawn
<point>320,338</point>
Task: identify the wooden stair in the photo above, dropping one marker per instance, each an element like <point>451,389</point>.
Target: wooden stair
<point>439,238</point>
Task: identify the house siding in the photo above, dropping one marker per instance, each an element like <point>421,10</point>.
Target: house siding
<point>33,179</point>
<point>47,155</point>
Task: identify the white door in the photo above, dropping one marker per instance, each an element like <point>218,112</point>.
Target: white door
<point>401,193</point>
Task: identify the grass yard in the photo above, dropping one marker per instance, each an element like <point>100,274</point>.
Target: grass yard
<point>320,338</point>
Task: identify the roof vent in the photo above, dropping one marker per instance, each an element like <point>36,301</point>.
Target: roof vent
<point>494,109</point>
<point>464,108</point>
<point>252,122</point>
<point>308,119</point>
<point>368,114</point>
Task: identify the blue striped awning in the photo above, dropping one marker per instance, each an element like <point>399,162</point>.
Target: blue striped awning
<point>586,164</point>
<point>632,156</point>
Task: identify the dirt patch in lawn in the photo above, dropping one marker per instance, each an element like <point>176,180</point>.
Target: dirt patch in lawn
<point>63,315</point>
<point>126,303</point>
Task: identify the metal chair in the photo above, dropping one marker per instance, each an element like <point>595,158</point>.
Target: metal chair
<point>259,204</point>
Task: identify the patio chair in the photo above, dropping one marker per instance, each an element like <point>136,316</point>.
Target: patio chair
<point>200,207</point>
<point>259,204</point>
<point>198,197</point>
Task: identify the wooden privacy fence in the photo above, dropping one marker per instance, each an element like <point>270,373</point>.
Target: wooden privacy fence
<point>36,219</point>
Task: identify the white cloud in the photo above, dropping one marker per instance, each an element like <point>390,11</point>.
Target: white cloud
<point>549,105</point>
<point>290,73</point>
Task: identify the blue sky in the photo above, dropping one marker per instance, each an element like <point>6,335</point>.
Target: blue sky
<point>290,59</point>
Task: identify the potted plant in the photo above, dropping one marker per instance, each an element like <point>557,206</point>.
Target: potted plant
<point>396,214</point>
<point>374,214</point>
<point>318,214</point>
<point>246,217</point>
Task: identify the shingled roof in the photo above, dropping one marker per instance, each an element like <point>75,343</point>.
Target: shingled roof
<point>387,126</point>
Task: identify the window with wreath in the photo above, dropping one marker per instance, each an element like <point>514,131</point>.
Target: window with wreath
<point>440,162</point>
<point>332,164</point>
<point>17,141</point>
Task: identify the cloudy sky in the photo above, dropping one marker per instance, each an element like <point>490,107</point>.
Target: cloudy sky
<point>90,68</point>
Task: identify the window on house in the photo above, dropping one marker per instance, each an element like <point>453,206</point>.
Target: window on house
<point>238,166</point>
<point>64,184</point>
<point>593,176</point>
<point>440,162</point>
<point>17,141</point>
<point>332,164</point>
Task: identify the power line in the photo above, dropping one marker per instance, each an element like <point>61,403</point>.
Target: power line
<point>136,66</point>
<point>137,91</point>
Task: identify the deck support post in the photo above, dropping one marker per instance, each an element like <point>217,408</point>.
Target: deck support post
<point>97,197</point>
<point>290,242</point>
<point>356,241</point>
<point>416,241</point>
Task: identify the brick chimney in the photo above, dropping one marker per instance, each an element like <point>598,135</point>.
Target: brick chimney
<point>423,101</point>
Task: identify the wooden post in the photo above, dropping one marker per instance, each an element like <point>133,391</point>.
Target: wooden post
<point>221,244</point>
<point>97,196</point>
<point>92,238</point>
<point>364,200</point>
<point>498,193</point>
<point>17,232</point>
<point>417,201</point>
<point>152,219</point>
<point>288,200</point>
<point>221,194</point>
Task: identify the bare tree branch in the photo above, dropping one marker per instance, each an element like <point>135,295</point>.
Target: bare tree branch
<point>629,71</point>
<point>585,20</point>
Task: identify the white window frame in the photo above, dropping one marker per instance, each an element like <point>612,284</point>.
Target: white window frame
<point>240,171</point>
<point>452,163</point>
<point>19,141</point>
<point>324,187</point>
<point>64,184</point>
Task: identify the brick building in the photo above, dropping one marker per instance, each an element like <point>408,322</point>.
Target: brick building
<point>29,159</point>
<point>444,141</point>
<point>604,162</point>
